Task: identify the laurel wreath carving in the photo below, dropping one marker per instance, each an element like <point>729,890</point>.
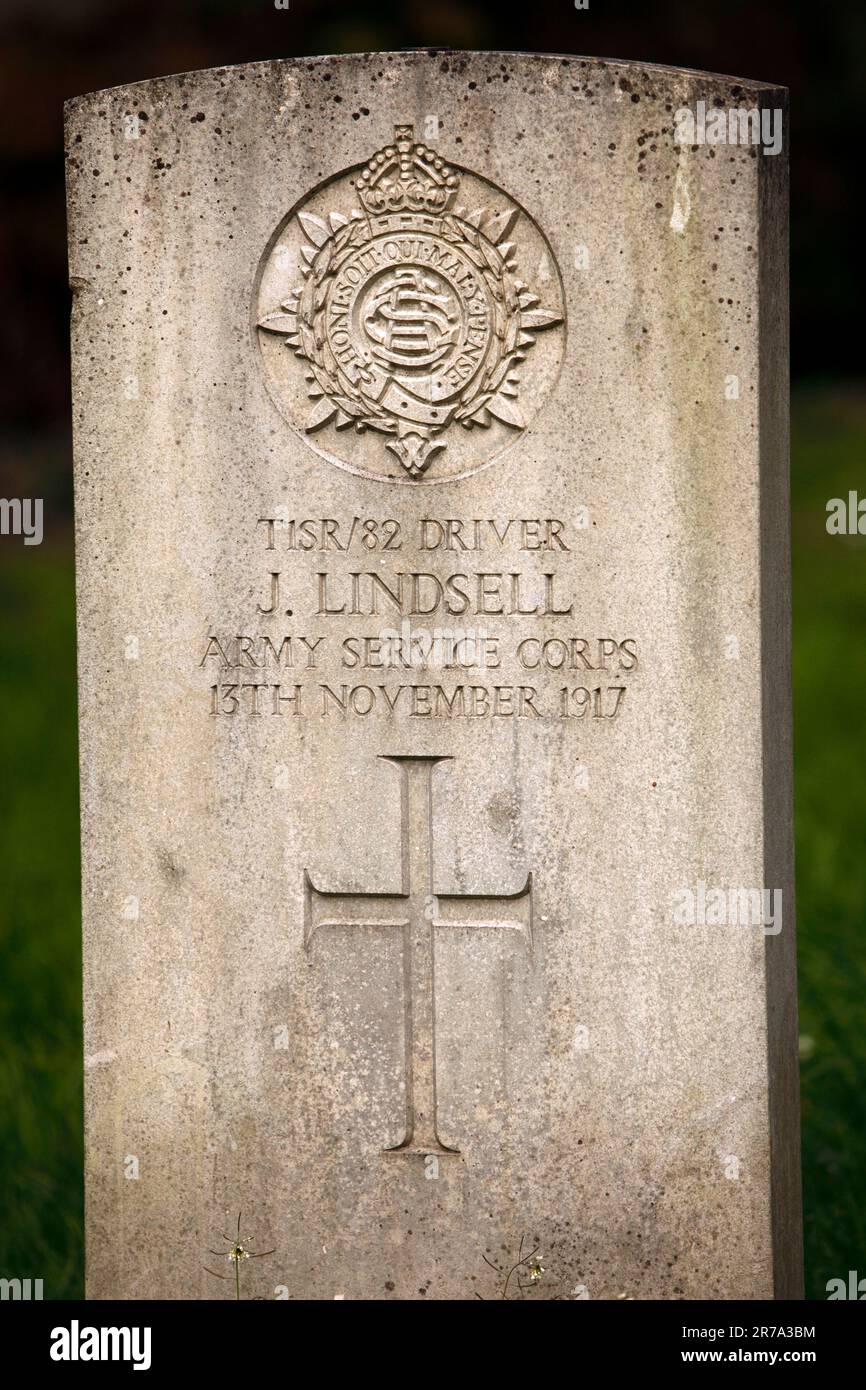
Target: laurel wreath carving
<point>342,390</point>
<point>496,377</point>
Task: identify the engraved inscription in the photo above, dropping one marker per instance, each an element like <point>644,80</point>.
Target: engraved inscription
<point>418,910</point>
<point>487,629</point>
<point>408,322</point>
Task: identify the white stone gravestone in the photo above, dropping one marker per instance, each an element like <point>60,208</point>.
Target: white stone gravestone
<point>431,492</point>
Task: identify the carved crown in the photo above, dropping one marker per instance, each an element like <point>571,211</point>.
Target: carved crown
<point>407,177</point>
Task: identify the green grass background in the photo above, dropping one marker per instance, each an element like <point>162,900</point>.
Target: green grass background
<point>829,458</point>
<point>40,994</point>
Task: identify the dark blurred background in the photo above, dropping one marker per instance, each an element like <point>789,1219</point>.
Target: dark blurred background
<point>59,48</point>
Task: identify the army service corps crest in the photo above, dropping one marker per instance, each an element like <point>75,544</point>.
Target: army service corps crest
<point>398,332</point>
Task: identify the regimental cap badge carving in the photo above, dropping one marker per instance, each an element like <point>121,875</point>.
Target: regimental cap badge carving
<point>410,318</point>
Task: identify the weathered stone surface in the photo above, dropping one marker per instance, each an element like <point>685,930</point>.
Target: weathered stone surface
<point>442,451</point>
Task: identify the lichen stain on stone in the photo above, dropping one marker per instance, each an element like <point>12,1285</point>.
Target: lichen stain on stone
<point>169,866</point>
<point>502,813</point>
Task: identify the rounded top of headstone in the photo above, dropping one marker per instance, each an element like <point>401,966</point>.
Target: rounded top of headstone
<point>450,64</point>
